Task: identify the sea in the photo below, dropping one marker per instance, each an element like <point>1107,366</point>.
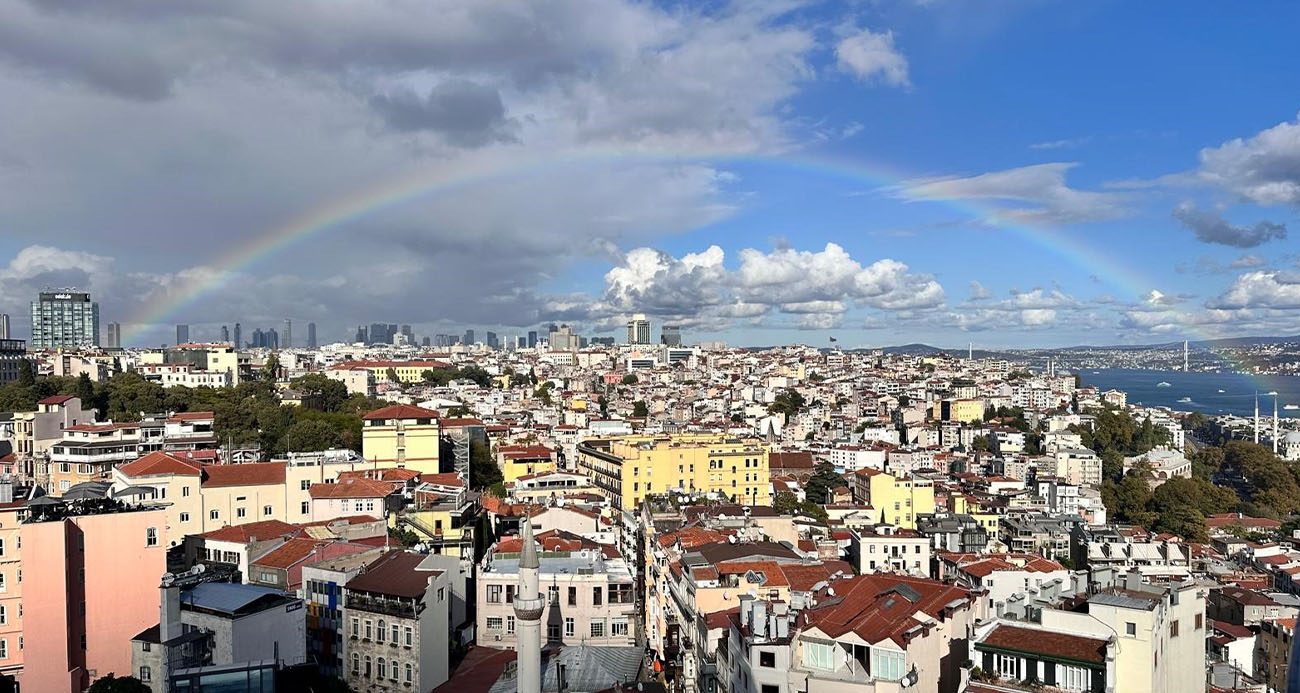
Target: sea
<point>1209,393</point>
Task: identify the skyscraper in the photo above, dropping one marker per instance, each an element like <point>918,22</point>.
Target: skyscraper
<point>362,335</point>
<point>532,338</point>
<point>64,318</point>
<point>469,338</point>
<point>236,337</point>
<point>379,334</point>
<point>114,336</point>
<point>288,333</point>
<point>4,326</point>
<point>491,340</point>
<point>182,334</point>
<point>671,335</point>
<point>272,339</point>
<point>225,334</point>
<point>311,335</point>
<point>638,330</point>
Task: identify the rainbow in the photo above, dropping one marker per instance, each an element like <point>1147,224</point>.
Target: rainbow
<point>417,185</point>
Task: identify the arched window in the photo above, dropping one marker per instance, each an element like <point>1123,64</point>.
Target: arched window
<point>408,672</point>
<point>379,632</point>
<point>366,673</point>
<point>382,672</point>
<point>356,663</point>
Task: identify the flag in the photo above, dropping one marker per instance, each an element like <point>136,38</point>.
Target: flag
<point>832,339</point>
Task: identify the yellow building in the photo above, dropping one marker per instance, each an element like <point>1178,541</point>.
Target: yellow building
<point>988,520</point>
<point>627,469</point>
<point>406,371</point>
<point>403,436</point>
<point>520,460</point>
<point>964,410</point>
<point>897,500</point>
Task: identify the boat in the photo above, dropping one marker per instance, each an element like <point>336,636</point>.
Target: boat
<point>1162,384</point>
<point>1185,399</point>
<point>1291,407</point>
<point>1220,391</point>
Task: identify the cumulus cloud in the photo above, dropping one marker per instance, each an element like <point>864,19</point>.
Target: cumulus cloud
<point>872,57</point>
<point>1263,168</point>
<point>978,292</point>
<point>815,287</point>
<point>1210,227</point>
<point>1035,194</point>
<point>1261,289</point>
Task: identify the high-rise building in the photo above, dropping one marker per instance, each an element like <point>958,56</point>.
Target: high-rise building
<point>638,330</point>
<point>563,339</point>
<point>491,340</point>
<point>272,339</point>
<point>532,338</point>
<point>64,318</point>
<point>406,330</point>
<point>469,338</point>
<point>12,353</point>
<point>311,335</point>
<point>225,334</point>
<point>362,336</point>
<point>671,335</point>
<point>378,334</point>
<point>236,337</point>
<point>288,333</point>
<point>114,340</point>
<point>424,341</point>
<point>182,334</point>
<point>4,326</point>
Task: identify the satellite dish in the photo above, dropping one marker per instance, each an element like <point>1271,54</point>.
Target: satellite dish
<point>910,680</point>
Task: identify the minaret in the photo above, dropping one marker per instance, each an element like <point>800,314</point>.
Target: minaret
<point>1185,368</point>
<point>1274,423</point>
<point>528,617</point>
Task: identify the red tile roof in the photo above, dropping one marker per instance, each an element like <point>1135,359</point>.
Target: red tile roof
<point>254,474</point>
<point>353,488</point>
<point>289,553</point>
<point>253,531</point>
<point>190,416</point>
<point>1053,644</point>
<point>444,479</point>
<point>158,463</point>
<point>56,399</point>
<point>395,573</point>
<point>385,474</point>
<point>876,607</point>
<point>401,411</point>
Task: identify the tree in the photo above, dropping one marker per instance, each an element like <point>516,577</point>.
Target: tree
<point>115,684</point>
<point>738,418</point>
<point>786,503</point>
<point>640,410</point>
<point>129,395</point>
<point>544,393</point>
<point>789,402</point>
<point>483,470</point>
<point>604,406</point>
<point>391,375</point>
<point>85,390</point>
<point>271,370</point>
<point>980,444</point>
<point>823,480</point>
<point>630,379</point>
<point>1128,501</point>
<point>26,373</point>
<point>311,436</point>
<point>321,392</point>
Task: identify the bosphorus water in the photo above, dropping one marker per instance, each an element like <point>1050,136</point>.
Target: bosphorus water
<point>1209,393</point>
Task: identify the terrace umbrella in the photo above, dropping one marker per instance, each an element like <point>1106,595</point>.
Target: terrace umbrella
<point>90,490</point>
<point>43,502</point>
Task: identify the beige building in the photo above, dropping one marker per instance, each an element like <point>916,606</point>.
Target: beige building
<point>396,616</point>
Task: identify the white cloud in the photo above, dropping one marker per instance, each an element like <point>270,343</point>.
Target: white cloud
<point>1263,168</point>
<point>1035,194</point>
<point>872,58</point>
<point>1261,289</point>
<point>1037,316</point>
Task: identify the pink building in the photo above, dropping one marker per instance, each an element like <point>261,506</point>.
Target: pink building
<point>90,583</point>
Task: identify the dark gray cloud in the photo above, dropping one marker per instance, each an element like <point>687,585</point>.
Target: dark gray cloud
<point>1210,227</point>
<point>466,113</point>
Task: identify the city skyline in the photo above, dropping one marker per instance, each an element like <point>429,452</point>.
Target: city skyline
<point>869,174</point>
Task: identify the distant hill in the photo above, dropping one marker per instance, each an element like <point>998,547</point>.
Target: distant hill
<point>918,349</point>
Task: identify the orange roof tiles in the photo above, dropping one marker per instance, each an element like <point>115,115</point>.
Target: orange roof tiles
<point>353,488</point>
<point>1035,641</point>
<point>401,411</point>
<point>159,463</point>
<point>253,531</point>
<point>255,474</point>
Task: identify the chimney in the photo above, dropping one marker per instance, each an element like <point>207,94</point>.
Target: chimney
<point>169,615</point>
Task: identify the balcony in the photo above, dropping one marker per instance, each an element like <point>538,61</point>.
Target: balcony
<point>384,605</point>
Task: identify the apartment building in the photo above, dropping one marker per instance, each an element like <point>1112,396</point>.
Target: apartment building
<point>888,549</point>
<point>590,589</point>
<point>402,435</point>
<point>896,500</point>
<point>627,469</point>
<point>397,617</point>
<point>322,590</point>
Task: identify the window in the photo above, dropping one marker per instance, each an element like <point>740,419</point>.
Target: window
<point>767,659</point>
<point>889,665</point>
<point>4,615</point>
<point>618,627</point>
<point>569,627</point>
<point>304,507</point>
<point>510,624</point>
<point>356,629</point>
<point>2,547</point>
<point>266,510</point>
<point>1130,629</point>
<point>185,517</point>
<point>494,594</point>
<point>769,688</point>
<point>151,536</point>
<point>381,668</point>
<point>214,514</point>
<point>370,632</point>
<point>1073,678</point>
<point>366,672</point>
<point>818,655</point>
<point>356,662</point>
<point>1007,666</point>
<point>573,596</point>
<point>408,672</point>
<point>146,674</point>
<point>1173,628</point>
<point>185,492</point>
<point>598,628</point>
<point>494,623</point>
<point>397,637</point>
<point>552,631</point>
<point>304,485</point>
<point>510,594</point>
<point>380,631</point>
<point>595,596</point>
<point>241,512</point>
<point>553,594</point>
<point>409,635</point>
<point>1200,621</point>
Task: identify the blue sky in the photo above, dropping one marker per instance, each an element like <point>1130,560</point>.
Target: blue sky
<point>1102,172</point>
